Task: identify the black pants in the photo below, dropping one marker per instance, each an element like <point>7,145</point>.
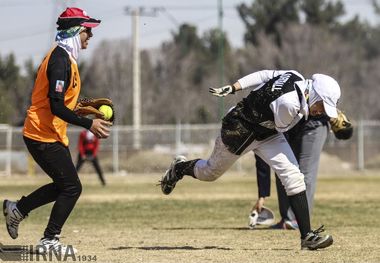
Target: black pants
<point>95,162</point>
<point>55,160</point>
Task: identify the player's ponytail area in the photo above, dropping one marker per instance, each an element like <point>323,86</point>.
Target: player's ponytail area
<point>130,220</point>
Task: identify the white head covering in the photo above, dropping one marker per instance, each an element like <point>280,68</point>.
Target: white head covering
<point>72,46</point>
<point>325,88</point>
<point>69,40</point>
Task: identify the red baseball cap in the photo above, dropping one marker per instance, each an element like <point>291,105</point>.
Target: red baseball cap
<point>74,16</point>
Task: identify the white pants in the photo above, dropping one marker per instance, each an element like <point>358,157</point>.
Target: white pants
<point>275,151</point>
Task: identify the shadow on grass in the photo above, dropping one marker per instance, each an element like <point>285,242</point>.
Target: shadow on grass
<point>211,228</point>
<point>165,248</point>
<point>172,248</point>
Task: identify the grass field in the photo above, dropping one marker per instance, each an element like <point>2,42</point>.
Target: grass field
<point>131,221</point>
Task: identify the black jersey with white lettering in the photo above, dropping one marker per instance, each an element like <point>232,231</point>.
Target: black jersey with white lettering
<point>252,118</point>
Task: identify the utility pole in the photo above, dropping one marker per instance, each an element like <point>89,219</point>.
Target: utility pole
<point>135,13</point>
<point>136,79</point>
<point>221,56</point>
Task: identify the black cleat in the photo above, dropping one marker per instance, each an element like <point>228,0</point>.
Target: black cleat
<point>314,241</point>
<point>170,178</point>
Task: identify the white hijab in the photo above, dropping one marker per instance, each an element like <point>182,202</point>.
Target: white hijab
<point>70,41</point>
<point>72,46</point>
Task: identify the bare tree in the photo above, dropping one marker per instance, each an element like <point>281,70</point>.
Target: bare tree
<point>109,74</point>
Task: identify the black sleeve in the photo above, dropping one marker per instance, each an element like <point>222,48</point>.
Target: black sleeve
<point>59,109</point>
<point>263,177</point>
<point>58,73</point>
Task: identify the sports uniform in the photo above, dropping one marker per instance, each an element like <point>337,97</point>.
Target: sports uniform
<point>278,101</point>
<point>54,97</point>
<point>306,140</point>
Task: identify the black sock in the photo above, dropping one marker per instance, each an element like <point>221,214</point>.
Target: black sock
<point>299,205</point>
<point>185,168</point>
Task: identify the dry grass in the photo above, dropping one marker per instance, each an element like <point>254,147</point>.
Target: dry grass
<point>131,221</point>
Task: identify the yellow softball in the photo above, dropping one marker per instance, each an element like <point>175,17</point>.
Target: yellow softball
<point>107,111</point>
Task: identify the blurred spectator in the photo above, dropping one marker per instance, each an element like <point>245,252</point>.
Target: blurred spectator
<point>88,147</point>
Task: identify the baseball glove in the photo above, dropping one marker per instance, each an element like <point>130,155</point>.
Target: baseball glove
<point>342,127</point>
<point>265,217</point>
<point>89,106</point>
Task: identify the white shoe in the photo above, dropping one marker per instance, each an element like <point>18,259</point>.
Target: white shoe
<point>46,245</point>
<point>13,217</point>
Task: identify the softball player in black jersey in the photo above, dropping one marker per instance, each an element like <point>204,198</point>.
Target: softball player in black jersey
<point>278,101</point>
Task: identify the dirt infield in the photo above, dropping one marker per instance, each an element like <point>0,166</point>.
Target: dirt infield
<point>131,221</point>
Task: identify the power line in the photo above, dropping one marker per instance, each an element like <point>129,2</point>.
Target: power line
<point>170,17</point>
<point>197,7</point>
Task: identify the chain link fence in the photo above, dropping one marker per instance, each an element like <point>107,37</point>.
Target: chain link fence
<point>158,144</point>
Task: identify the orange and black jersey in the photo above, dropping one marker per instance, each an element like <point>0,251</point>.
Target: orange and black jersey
<point>54,96</point>
<point>59,69</point>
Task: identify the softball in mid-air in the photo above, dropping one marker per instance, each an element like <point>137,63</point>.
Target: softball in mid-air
<point>107,111</point>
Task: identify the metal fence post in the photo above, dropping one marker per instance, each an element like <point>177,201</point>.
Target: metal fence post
<point>115,151</point>
<point>178,138</point>
<point>8,166</point>
<point>360,145</point>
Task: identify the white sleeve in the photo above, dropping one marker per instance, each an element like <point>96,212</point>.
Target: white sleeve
<point>257,78</point>
<point>286,111</point>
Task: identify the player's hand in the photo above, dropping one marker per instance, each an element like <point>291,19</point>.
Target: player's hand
<point>101,128</point>
<point>259,204</point>
<point>223,91</point>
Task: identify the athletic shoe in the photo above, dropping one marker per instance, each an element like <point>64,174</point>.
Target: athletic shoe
<point>170,178</point>
<point>52,245</point>
<point>13,217</point>
<point>314,241</point>
<point>285,225</point>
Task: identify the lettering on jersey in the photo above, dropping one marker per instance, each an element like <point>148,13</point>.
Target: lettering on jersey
<point>59,85</point>
<point>279,83</point>
<point>75,80</point>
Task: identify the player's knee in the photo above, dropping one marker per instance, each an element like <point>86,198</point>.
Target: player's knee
<point>77,189</point>
<point>73,189</point>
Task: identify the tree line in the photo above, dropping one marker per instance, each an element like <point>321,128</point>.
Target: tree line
<point>305,35</point>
